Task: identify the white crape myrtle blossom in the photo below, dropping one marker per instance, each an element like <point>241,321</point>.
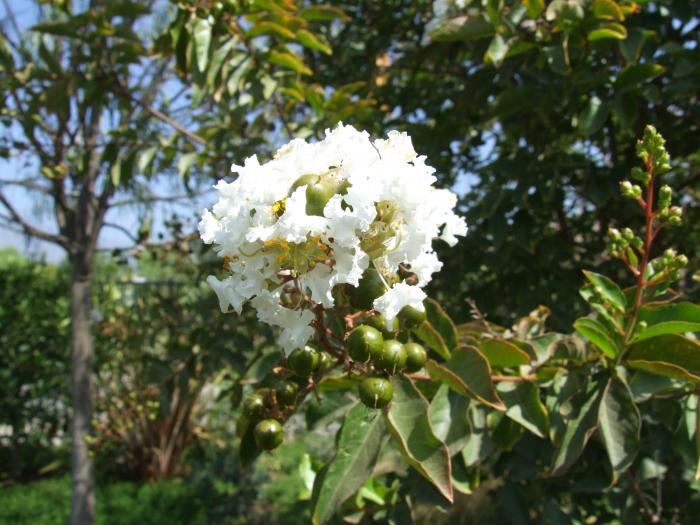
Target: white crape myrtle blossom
<point>382,211</point>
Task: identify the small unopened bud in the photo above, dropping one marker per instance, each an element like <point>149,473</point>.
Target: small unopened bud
<point>681,261</point>
<point>628,234</point>
<point>642,325</point>
<point>640,175</point>
<point>665,195</point>
<point>614,234</point>
<point>630,191</point>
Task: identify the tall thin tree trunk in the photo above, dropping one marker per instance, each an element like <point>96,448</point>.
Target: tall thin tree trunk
<point>83,489</point>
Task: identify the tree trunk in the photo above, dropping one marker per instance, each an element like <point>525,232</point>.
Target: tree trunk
<point>83,489</point>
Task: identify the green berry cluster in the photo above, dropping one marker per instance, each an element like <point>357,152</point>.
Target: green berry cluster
<point>267,408</point>
<point>371,351</point>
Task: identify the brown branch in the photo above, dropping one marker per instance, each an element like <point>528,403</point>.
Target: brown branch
<point>28,228</point>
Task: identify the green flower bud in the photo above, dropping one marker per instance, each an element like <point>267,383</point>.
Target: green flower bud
<point>630,191</point>
<point>665,195</point>
<point>628,234</point>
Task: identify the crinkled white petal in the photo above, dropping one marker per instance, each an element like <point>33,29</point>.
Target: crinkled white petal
<point>398,296</point>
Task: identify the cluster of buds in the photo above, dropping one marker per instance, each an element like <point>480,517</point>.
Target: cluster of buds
<point>629,247</point>
<point>621,243</point>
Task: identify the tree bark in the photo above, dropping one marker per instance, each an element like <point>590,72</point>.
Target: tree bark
<point>83,486</point>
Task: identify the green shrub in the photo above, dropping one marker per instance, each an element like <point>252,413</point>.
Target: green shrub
<point>47,502</point>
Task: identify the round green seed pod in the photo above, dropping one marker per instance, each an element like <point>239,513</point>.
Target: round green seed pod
<point>253,406</point>
<point>416,356</point>
<point>376,392</point>
<point>325,361</point>
<point>268,434</point>
<point>303,361</point>
<point>392,358</point>
<point>287,393</point>
<point>378,321</point>
<point>368,289</point>
<point>364,341</point>
<point>411,317</point>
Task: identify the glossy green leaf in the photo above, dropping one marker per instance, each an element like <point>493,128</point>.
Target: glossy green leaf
<point>497,50</point>
<point>607,10</point>
<point>631,46</point>
<point>185,162</point>
<point>462,28</point>
<point>523,405</point>
<point>331,383</point>
<point>607,31</point>
<point>610,291</point>
<point>674,318</point>
<point>442,323</point>
<point>432,338</point>
<point>57,28</point>
<point>201,34</point>
<point>593,117</point>
<point>503,354</point>
<point>668,355</point>
<point>265,27</point>
<point>620,425</point>
<point>581,421</point>
<point>448,416</point>
<point>407,420</point>
<point>598,335</point>
<point>468,373</point>
<point>317,42</point>
<point>479,445</point>
<point>534,7</point>
<point>322,12</point>
<point>635,74</point>
<point>358,447</point>
<point>289,61</point>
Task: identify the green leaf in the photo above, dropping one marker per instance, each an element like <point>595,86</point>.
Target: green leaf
<point>289,61</point>
<point>620,425</point>
<point>593,117</point>
<point>57,28</point>
<point>581,421</point>
<point>497,50</point>
<point>432,338</point>
<point>610,291</point>
<point>358,447</point>
<point>145,159</point>
<point>265,27</point>
<point>468,373</point>
<point>184,163</point>
<point>675,318</point>
<point>332,383</point>
<point>322,13</point>
<point>448,417</point>
<point>635,74</point>
<point>523,405</point>
<point>608,30</point>
<point>407,420</point>
<point>308,39</point>
<point>201,33</point>
<point>607,10</point>
<point>442,323</point>
<point>462,28</point>
<point>668,355</point>
<point>598,334</point>
<point>503,354</point>
<point>534,7</point>
<point>631,46</point>
<point>480,445</point>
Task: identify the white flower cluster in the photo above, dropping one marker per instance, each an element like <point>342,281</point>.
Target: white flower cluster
<point>318,215</point>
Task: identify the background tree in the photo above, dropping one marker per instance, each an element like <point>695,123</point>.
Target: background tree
<point>531,109</point>
<point>67,118</point>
